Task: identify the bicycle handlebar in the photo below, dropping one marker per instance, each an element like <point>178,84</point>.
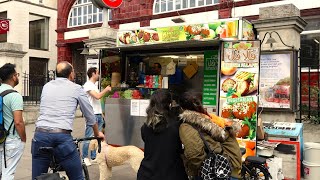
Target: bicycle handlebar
<point>88,139</point>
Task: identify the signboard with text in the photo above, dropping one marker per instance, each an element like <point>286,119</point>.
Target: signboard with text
<point>210,78</point>
<point>239,82</point>
<point>275,80</point>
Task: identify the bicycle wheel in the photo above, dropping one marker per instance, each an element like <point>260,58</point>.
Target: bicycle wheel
<point>85,172</point>
<point>254,172</point>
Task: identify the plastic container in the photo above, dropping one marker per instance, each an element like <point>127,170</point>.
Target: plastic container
<point>311,171</point>
<point>311,153</point>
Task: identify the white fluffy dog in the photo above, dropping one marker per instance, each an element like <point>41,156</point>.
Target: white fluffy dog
<point>111,156</point>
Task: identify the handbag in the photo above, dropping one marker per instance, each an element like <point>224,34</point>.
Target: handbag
<point>214,166</point>
<point>49,176</point>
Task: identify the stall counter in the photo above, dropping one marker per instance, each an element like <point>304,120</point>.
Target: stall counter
<point>121,128</point>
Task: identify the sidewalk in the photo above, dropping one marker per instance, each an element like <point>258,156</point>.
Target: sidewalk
<point>24,168</point>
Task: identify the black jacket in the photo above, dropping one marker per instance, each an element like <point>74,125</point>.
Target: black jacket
<point>162,154</point>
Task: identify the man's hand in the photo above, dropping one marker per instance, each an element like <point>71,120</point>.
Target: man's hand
<point>107,89</point>
<point>96,132</point>
<point>101,135</point>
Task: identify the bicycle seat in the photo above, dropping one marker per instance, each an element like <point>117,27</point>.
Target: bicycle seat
<point>256,160</point>
<point>46,150</point>
<point>243,151</point>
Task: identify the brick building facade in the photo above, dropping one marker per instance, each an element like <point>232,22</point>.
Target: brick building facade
<point>133,14</point>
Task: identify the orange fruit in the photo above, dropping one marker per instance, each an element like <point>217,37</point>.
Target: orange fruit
<point>250,144</point>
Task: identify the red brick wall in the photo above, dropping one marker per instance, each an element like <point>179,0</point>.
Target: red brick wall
<point>142,11</point>
<point>64,52</point>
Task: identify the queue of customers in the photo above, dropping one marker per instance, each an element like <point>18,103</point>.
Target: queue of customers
<point>173,147</point>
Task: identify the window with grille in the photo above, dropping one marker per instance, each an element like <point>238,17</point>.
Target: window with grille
<point>83,12</point>
<point>164,6</point>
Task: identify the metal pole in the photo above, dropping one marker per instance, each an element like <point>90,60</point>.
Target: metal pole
<point>105,17</point>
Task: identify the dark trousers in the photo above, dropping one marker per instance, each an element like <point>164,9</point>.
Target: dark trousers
<point>65,151</point>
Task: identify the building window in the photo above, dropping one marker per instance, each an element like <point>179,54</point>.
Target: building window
<point>3,37</point>
<point>164,6</point>
<point>310,44</point>
<point>83,12</point>
<point>38,32</point>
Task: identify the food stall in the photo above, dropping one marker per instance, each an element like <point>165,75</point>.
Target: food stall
<point>187,57</point>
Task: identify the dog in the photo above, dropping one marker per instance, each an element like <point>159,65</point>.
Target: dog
<point>111,156</point>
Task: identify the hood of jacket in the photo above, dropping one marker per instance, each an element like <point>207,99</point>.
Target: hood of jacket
<point>204,123</point>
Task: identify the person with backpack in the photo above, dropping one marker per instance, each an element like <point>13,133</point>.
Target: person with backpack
<point>13,134</point>
<point>162,145</point>
<point>197,128</point>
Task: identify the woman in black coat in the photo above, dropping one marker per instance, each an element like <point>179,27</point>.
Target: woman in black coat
<point>163,148</point>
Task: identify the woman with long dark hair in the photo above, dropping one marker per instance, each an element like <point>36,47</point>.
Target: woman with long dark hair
<point>160,133</point>
<point>221,140</point>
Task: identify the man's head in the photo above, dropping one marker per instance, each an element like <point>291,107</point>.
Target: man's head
<point>65,70</point>
<point>9,75</point>
<point>157,68</point>
<point>93,73</point>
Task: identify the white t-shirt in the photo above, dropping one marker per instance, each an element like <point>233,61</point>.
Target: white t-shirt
<point>95,103</point>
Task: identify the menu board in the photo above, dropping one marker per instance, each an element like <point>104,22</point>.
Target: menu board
<point>220,29</point>
<point>275,80</point>
<point>210,78</point>
<point>239,75</point>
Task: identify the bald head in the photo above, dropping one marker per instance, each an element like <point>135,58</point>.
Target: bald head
<point>64,69</point>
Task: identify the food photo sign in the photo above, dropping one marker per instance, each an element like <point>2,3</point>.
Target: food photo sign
<point>275,80</point>
<point>220,29</point>
<point>239,81</point>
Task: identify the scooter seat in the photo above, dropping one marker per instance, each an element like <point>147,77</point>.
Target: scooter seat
<point>256,160</point>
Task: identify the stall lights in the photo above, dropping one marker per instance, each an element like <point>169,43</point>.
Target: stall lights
<point>271,40</point>
<point>316,41</point>
<point>85,50</point>
<point>178,20</point>
<point>171,56</point>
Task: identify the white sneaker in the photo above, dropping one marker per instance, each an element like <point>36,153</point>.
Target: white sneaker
<point>94,161</point>
<point>87,161</point>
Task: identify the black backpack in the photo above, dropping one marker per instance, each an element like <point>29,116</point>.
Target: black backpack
<point>214,166</point>
<point>3,132</point>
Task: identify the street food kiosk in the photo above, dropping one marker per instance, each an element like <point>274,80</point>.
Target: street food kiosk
<point>219,60</point>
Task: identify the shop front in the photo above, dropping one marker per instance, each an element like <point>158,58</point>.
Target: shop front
<point>218,60</point>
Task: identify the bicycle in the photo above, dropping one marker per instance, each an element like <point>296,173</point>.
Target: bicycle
<point>254,168</point>
<point>55,167</point>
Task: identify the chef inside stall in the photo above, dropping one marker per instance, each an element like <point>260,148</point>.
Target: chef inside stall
<point>156,68</point>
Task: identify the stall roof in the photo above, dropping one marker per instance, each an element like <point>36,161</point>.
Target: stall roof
<point>168,46</point>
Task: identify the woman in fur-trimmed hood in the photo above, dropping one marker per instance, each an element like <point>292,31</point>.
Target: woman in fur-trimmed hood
<point>222,140</point>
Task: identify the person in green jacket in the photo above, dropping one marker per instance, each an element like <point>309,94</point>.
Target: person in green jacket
<point>222,140</point>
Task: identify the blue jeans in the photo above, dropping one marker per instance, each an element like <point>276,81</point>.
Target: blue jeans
<point>65,152</point>
<point>14,151</point>
<point>89,133</point>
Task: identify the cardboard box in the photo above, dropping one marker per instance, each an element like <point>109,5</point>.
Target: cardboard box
<point>260,131</point>
<point>190,70</point>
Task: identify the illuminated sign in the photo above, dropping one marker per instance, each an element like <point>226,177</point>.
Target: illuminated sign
<point>110,4</point>
<point>4,26</point>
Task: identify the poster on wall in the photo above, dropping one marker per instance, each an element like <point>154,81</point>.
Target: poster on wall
<point>210,80</point>
<point>239,80</point>
<point>275,80</point>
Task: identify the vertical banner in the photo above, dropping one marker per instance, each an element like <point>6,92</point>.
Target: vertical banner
<point>210,80</point>
<point>4,26</point>
<point>239,81</point>
<point>93,63</point>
